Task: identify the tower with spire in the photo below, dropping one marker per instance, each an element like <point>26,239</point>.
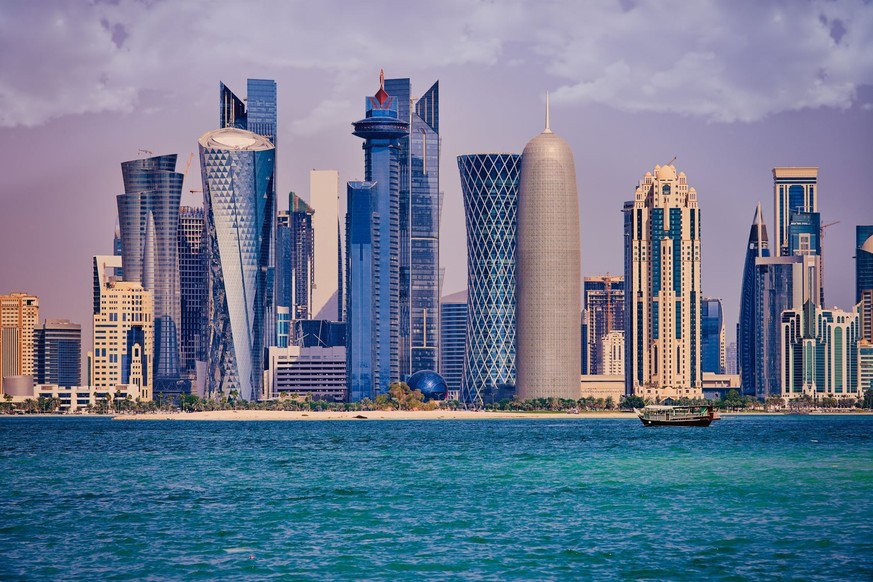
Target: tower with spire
<point>749,327</point>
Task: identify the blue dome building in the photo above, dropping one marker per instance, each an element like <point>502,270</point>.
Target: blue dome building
<point>430,383</point>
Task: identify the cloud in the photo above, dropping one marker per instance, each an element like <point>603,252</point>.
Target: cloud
<point>721,61</point>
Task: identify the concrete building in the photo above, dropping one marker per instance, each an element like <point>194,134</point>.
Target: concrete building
<point>864,278</point>
<point>548,271</point>
<point>662,282</point>
<point>123,338</point>
<point>601,386</point>
<point>602,313</point>
<point>57,353</point>
<point>75,399</point>
<point>611,353</point>
<point>327,284</point>
<point>453,336</point>
<point>19,317</point>
<point>316,373</point>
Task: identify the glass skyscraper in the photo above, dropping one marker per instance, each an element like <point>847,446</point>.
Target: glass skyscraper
<point>148,217</point>
<point>490,184</point>
<point>238,169</point>
<point>864,278</point>
<point>794,190</point>
<point>57,353</point>
<point>749,331</point>
<point>712,336</point>
<point>453,337</point>
<point>419,227</point>
<point>192,284</point>
<point>373,252</point>
<point>295,268</point>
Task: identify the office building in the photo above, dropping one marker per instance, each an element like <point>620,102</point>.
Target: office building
<point>295,269</point>
<point>662,282</point>
<point>419,226</point>
<point>57,353</point>
<point>319,333</point>
<point>749,328</point>
<point>327,294</point>
<point>257,113</point>
<point>731,366</point>
<point>123,338</point>
<point>453,337</point>
<point>373,252</point>
<point>489,183</point>
<point>548,271</point>
<point>864,278</point>
<point>712,336</point>
<point>794,190</point>
<point>316,373</point>
<point>237,169</point>
<point>148,216</point>
<point>602,313</point>
<point>19,317</point>
<point>192,287</point>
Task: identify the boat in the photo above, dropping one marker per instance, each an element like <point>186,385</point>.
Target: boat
<point>677,415</point>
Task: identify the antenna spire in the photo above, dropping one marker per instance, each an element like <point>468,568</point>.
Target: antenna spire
<point>547,129</point>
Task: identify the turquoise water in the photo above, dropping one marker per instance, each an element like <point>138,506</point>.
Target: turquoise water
<point>749,497</point>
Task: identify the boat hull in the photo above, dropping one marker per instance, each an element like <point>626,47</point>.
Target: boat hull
<point>691,422</point>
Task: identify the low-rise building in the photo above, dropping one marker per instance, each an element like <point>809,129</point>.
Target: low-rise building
<point>318,373</point>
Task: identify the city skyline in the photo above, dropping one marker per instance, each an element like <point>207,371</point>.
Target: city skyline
<point>166,113</point>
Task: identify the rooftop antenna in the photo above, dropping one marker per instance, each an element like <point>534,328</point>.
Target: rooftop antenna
<point>670,163</point>
<point>547,129</point>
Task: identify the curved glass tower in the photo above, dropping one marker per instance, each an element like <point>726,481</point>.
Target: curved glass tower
<point>749,355</point>
<point>490,186</point>
<point>237,168</point>
<point>148,218</point>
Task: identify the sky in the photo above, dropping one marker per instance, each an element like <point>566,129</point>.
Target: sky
<point>731,89</point>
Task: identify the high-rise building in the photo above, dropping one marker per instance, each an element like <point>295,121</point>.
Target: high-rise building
<point>612,354</point>
<point>257,113</point>
<point>864,278</point>
<point>731,366</point>
<point>148,216</point>
<point>794,190</point>
<point>662,281</point>
<point>602,313</point>
<point>548,271</point>
<point>327,296</point>
<point>295,271</point>
<point>749,330</point>
<point>373,252</point>
<point>237,169</point>
<point>192,287</point>
<point>453,336</point>
<point>123,338</point>
<point>57,353</point>
<point>419,227</point>
<point>712,336</point>
<point>319,333</point>
<point>19,316</point>
<point>490,184</point>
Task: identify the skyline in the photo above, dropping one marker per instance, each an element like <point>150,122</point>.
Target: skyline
<point>492,100</point>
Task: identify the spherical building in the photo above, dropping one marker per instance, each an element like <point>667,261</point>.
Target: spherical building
<point>548,272</point>
<point>430,383</point>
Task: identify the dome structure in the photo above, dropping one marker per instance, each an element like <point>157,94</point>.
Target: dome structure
<point>430,383</point>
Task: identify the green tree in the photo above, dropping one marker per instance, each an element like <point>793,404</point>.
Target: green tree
<point>630,402</point>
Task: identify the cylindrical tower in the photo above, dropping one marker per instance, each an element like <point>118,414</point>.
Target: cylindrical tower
<point>548,343</point>
<point>490,186</point>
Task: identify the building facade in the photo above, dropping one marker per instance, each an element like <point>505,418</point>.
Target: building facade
<point>57,353</point>
<point>749,327</point>
<point>124,336</point>
<point>19,317</point>
<point>453,337</point>
<point>864,279</point>
<point>373,251</point>
<point>327,294</point>
<point>602,313</point>
<point>238,168</point>
<point>611,353</point>
<point>317,373</point>
<point>192,287</point>
<point>662,279</point>
<point>489,183</point>
<point>794,190</point>
<point>295,268</point>
<point>712,336</point>
<point>148,216</point>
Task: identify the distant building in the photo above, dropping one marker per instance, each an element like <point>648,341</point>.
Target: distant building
<point>319,333</point>
<point>123,338</point>
<point>316,373</point>
<point>19,317</point>
<point>78,398</point>
<point>750,331</point>
<point>611,354</point>
<point>489,183</point>
<point>295,269</point>
<point>257,113</point>
<point>662,275</point>
<point>602,313</point>
<point>57,353</point>
<point>864,278</point>
<point>731,359</point>
<point>327,294</point>
<point>712,336</point>
<point>453,336</point>
<point>794,190</point>
<point>192,287</point>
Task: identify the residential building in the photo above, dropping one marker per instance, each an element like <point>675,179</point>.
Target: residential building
<point>19,317</point>
<point>662,282</point>
<point>57,353</point>
<point>489,183</point>
<point>548,271</point>
<point>327,295</point>
<point>373,252</point>
<point>794,190</point>
<point>192,287</point>
<point>712,336</point>
<point>453,337</point>
<point>148,216</point>
<point>124,335</point>
<point>602,313</point>
<point>317,373</point>
<point>238,171</point>
<point>419,226</point>
<point>611,354</point>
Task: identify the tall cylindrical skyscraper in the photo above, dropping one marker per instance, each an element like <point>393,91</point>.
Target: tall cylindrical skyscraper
<point>490,186</point>
<point>548,273</point>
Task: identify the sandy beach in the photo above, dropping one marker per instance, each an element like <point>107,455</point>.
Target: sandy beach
<point>367,415</point>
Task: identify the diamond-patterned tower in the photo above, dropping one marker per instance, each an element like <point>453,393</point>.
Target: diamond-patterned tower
<point>490,186</point>
<point>237,169</point>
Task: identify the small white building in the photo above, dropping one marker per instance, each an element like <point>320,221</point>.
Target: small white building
<point>76,398</point>
<point>315,372</point>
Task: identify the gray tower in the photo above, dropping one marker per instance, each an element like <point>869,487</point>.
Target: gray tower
<point>548,273</point>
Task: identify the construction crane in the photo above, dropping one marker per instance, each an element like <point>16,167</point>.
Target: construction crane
<point>188,165</point>
<point>145,152</point>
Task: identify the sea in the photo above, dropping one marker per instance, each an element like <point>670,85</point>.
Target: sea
<point>751,497</point>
